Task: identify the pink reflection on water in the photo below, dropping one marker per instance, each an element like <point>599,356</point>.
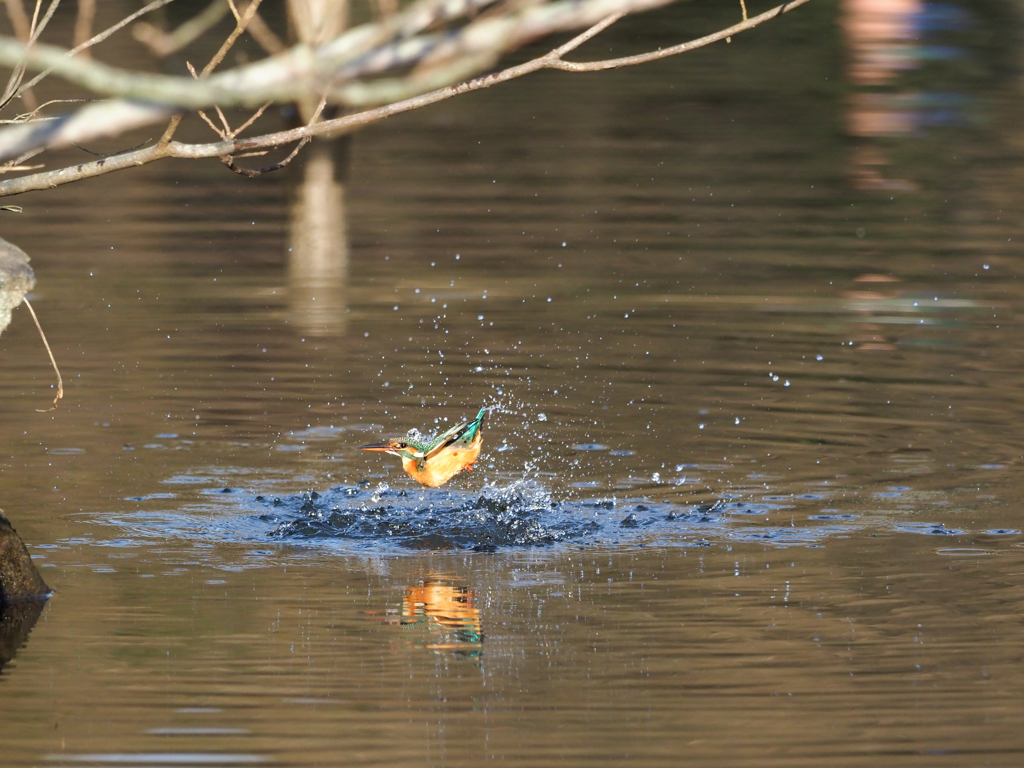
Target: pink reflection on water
<point>883,40</point>
<point>882,36</point>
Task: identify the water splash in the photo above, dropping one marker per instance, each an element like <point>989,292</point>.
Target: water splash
<point>520,514</point>
<point>374,517</point>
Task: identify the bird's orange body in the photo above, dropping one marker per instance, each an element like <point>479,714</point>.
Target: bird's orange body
<point>444,465</point>
<point>436,462</point>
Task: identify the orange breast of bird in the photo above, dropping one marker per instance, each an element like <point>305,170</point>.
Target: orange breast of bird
<point>439,469</point>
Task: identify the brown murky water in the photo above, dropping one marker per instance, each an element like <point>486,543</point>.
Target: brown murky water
<point>750,321</point>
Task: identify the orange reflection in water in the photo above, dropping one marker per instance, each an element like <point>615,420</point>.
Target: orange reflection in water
<point>448,607</point>
<point>872,301</point>
<point>882,37</point>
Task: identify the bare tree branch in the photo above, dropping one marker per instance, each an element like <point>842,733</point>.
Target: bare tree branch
<point>348,123</point>
<point>304,72</point>
<point>229,161</point>
<point>96,39</point>
<point>299,75</point>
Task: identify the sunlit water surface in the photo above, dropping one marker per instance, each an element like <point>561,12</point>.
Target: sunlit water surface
<point>748,322</point>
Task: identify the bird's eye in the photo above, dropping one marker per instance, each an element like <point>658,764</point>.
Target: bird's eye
<point>402,445</point>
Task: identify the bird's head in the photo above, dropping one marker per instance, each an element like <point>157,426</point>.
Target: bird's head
<point>404,449</point>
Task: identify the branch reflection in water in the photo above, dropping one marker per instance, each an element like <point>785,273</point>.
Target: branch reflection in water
<point>318,245</point>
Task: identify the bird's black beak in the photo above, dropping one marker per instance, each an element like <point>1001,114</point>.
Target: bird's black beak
<point>377,447</point>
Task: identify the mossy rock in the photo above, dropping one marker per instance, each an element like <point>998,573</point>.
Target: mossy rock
<point>19,579</point>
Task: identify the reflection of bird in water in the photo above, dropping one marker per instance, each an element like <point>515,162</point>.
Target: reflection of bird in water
<point>435,462</point>
<point>871,304</point>
<point>449,606</point>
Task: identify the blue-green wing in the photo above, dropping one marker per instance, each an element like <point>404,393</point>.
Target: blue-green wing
<point>463,433</point>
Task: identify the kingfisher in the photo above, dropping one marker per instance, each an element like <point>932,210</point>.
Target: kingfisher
<point>435,462</point>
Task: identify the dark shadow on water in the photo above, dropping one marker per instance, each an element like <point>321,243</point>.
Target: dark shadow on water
<point>16,622</point>
<point>23,593</point>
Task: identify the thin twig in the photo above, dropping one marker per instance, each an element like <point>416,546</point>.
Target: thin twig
<point>259,31</point>
<point>209,122</point>
<point>224,122</point>
<point>587,34</point>
<point>15,164</point>
<point>240,26</point>
<point>643,58</point>
<point>25,117</point>
<point>35,15</point>
<point>743,9</point>
<point>169,132</point>
<point>111,154</point>
<point>227,128</point>
<point>37,30</point>
<point>229,160</point>
<point>60,381</point>
<point>26,94</point>
<point>19,21</point>
<point>241,21</point>
<point>253,119</point>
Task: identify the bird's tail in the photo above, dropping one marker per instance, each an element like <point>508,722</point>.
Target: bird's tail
<point>476,425</point>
